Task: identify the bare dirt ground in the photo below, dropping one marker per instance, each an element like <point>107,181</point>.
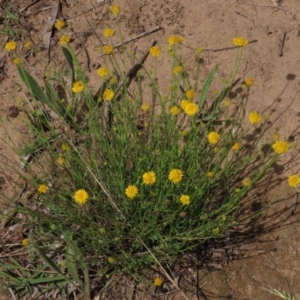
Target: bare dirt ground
<point>271,258</point>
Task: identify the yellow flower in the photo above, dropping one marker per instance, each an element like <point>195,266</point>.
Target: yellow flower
<point>276,136</point>
<point>216,149</point>
<point>175,175</point>
<point>190,94</point>
<point>65,147</point>
<point>103,72</point>
<point>78,86</point>
<point>110,260</point>
<point>115,9</point>
<point>64,40</point>
<point>25,242</point>
<point>108,49</point>
<point>247,182</point>
<point>280,147</point>
<point>199,50</point>
<point>236,146</point>
<point>131,191</point>
<point>174,39</point>
<point>178,70</point>
<point>158,281</point>
<point>108,94</point>
<point>149,178</point>
<point>255,117</point>
<point>145,107</point>
<point>17,60</point>
<point>28,45</point>
<point>184,132</point>
<point>240,42</point>
<point>249,81</point>
<point>210,174</point>
<point>109,32</point>
<point>81,196</point>
<point>113,80</point>
<point>216,230</point>
<point>43,188</point>
<point>154,51</point>
<point>293,180</point>
<point>226,102</point>
<point>59,24</point>
<point>184,103</point>
<point>185,199</point>
<point>60,160</point>
<point>10,46</point>
<point>213,137</point>
<point>191,109</point>
<point>175,110</point>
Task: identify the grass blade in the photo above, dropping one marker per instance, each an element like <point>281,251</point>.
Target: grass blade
<point>207,86</point>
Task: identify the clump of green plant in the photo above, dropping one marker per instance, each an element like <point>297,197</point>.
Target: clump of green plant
<point>126,178</point>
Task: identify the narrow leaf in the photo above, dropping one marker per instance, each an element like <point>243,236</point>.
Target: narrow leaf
<point>207,86</point>
<point>69,59</point>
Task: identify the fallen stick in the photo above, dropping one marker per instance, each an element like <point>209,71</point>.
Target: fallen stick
<point>156,28</point>
<point>262,5</point>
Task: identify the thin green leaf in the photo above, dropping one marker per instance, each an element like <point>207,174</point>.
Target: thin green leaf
<point>35,89</point>
<point>11,15</point>
<point>11,278</point>
<point>48,279</point>
<point>207,86</point>
<point>53,97</point>
<point>69,59</point>
<point>71,258</point>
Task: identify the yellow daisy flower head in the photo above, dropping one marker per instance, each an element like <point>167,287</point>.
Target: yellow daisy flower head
<point>10,46</point>
<point>81,196</point>
<point>17,61</point>
<point>175,176</point>
<point>199,50</point>
<point>210,174</point>
<point>213,137</point>
<point>78,87</point>
<point>109,32</point>
<point>280,147</point>
<point>236,146</point>
<point>178,70</point>
<point>108,49</point>
<point>249,81</point>
<point>154,51</point>
<point>60,160</point>
<point>276,136</point>
<point>25,242</point>
<point>185,199</point>
<point>65,147</point>
<point>103,72</point>
<point>149,178</point>
<point>131,191</point>
<point>64,40</point>
<point>115,9</point>
<point>113,80</point>
<point>59,24</point>
<point>43,188</point>
<point>191,109</point>
<point>158,281</point>
<point>184,103</point>
<point>226,102</point>
<point>145,107</point>
<point>184,133</point>
<point>175,39</point>
<point>293,180</point>
<point>110,260</point>
<point>108,94</point>
<point>255,117</point>
<point>190,94</point>
<point>28,45</point>
<point>240,42</point>
<point>175,110</point>
<point>247,182</point>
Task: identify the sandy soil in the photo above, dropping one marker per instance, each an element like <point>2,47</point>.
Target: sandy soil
<point>271,260</point>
